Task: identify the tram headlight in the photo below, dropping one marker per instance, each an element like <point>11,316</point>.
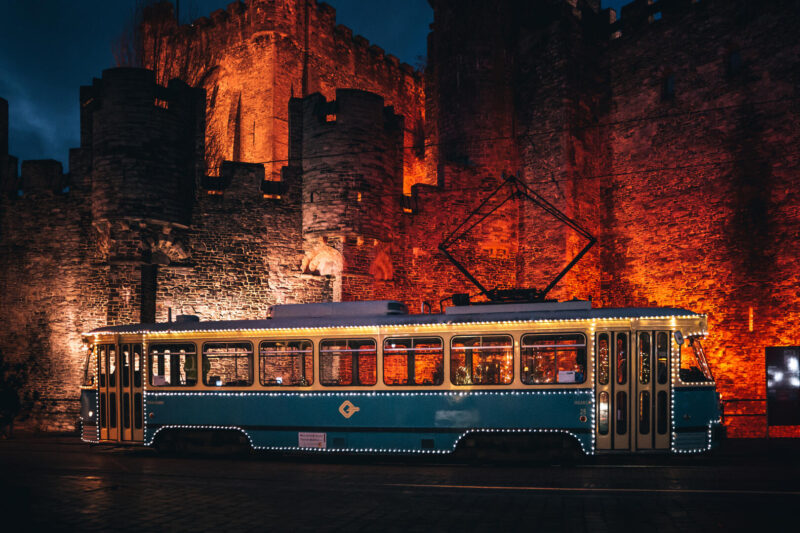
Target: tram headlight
<point>91,414</point>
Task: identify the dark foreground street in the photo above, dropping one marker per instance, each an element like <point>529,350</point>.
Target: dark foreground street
<point>61,484</point>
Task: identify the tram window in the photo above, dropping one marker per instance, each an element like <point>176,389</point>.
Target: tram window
<point>112,366</point>
<point>694,366</point>
<point>126,365</point>
<point>103,421</point>
<point>662,357</point>
<point>413,361</point>
<point>348,362</point>
<point>602,415</point>
<point>90,368</point>
<point>126,410</point>
<point>101,357</point>
<point>661,409</point>
<point>137,410</point>
<point>622,358</point>
<point>621,422</point>
<point>482,360</point>
<point>228,364</point>
<point>137,365</point>
<point>286,363</point>
<point>644,358</point>
<point>553,359</point>
<point>112,409</point>
<point>644,412</point>
<point>173,365</point>
<point>602,359</point>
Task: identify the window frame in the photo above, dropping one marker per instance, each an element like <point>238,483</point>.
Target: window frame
<point>150,359</point>
<point>472,374</point>
<point>554,336</point>
<point>223,386</point>
<point>353,375</point>
<point>309,382</point>
<point>696,355</point>
<point>412,339</point>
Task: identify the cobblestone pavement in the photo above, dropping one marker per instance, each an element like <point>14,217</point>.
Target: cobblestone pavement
<point>62,484</point>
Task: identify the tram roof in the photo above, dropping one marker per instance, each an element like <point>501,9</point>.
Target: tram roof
<point>402,320</point>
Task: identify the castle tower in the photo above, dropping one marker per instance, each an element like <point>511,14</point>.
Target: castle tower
<point>143,139</point>
<point>352,182</point>
<point>3,127</point>
<point>253,57</point>
<point>145,144</point>
<point>8,164</point>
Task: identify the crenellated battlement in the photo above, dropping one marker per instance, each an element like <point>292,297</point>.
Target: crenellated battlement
<point>275,172</point>
<point>640,15</point>
<point>42,175</point>
<point>282,17</point>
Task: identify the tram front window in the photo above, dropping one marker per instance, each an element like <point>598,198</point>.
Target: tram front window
<point>90,366</point>
<point>694,365</point>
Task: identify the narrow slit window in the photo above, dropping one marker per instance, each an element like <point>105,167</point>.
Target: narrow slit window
<point>622,358</point>
<point>668,87</point>
<point>662,357</point>
<point>602,359</point>
<point>603,413</point>
<point>644,358</point>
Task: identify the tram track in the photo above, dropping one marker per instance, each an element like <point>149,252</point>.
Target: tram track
<point>116,471</point>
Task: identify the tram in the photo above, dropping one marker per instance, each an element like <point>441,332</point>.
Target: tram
<point>370,377</point>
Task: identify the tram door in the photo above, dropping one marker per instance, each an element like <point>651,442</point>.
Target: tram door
<point>120,391</point>
<point>108,397</point>
<point>632,389</point>
<point>130,394</point>
<point>652,423</point>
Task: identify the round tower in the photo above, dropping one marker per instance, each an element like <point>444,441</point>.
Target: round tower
<point>351,159</point>
<point>352,166</point>
<point>143,139</point>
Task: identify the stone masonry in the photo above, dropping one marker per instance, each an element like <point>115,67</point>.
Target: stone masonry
<point>266,155</point>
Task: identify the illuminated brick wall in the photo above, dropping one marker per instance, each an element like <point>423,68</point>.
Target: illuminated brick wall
<point>712,222</point>
<point>693,195</point>
<point>254,56</point>
<point>690,183</point>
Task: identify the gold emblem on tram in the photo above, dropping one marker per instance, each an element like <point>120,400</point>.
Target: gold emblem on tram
<point>347,409</point>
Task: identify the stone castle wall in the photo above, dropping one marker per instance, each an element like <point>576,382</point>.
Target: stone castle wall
<point>678,156</point>
<point>253,57</point>
<point>712,222</point>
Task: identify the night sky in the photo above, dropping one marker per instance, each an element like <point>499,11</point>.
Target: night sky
<point>49,48</point>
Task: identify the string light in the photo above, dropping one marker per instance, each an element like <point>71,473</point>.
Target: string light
<point>394,327</point>
<point>588,446</point>
<point>709,440</point>
<point>459,438</point>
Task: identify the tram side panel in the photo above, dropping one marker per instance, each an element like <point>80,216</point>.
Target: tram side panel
<point>696,419</point>
<point>409,422</point>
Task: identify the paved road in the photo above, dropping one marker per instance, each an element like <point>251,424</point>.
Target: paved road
<point>61,484</point>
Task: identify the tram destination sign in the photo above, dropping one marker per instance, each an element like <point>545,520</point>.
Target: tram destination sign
<point>783,385</point>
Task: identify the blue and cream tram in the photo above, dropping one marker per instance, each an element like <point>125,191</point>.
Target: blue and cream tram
<point>369,377</point>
